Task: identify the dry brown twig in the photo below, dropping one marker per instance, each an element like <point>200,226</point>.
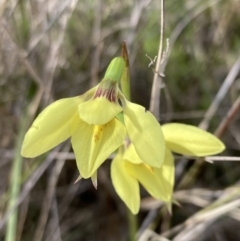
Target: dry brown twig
<point>231,77</point>
<point>229,117</point>
<point>155,94</point>
<point>50,193</point>
<point>199,222</point>
<point>29,184</point>
<point>157,80</point>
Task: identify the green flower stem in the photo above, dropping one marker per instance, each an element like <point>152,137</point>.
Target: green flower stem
<point>125,87</point>
<point>132,221</point>
<point>15,184</point>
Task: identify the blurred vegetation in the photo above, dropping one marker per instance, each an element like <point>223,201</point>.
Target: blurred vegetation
<point>55,49</point>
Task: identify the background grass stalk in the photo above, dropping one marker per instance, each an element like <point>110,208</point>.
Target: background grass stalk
<point>156,86</point>
<point>15,184</point>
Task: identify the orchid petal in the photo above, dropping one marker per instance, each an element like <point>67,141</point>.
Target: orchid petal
<point>51,127</point>
<point>92,145</point>
<point>157,181</point>
<point>98,111</point>
<point>145,133</point>
<point>148,178</point>
<point>167,173</point>
<point>191,140</point>
<point>126,186</point>
<point>131,155</point>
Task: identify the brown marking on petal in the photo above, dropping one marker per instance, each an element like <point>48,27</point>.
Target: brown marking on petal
<point>108,90</point>
<point>97,132</point>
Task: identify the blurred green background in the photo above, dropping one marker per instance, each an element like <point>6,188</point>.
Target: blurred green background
<point>60,48</point>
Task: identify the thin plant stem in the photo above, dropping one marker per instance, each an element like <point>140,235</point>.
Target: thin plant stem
<point>15,185</point>
<point>132,224</point>
<point>125,86</point>
<point>155,94</point>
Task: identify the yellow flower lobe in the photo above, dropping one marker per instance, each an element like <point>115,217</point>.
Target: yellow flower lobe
<point>97,132</point>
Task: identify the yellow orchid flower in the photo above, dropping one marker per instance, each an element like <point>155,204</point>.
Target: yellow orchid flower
<point>190,140</point>
<point>88,119</point>
<point>96,132</point>
<point>128,170</point>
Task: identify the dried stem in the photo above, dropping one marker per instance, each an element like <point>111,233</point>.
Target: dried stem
<point>229,117</point>
<point>155,95</point>
<point>221,94</point>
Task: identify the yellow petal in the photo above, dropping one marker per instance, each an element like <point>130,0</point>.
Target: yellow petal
<point>98,111</point>
<point>157,181</point>
<point>126,186</point>
<point>51,127</point>
<point>92,145</point>
<point>145,133</point>
<point>148,178</point>
<point>190,140</point>
<point>167,173</point>
<point>131,155</point>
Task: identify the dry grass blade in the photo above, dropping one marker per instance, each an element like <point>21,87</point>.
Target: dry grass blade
<point>148,235</point>
<point>229,117</point>
<point>231,77</point>
<point>29,184</point>
<point>157,80</point>
<point>146,223</point>
<point>68,5</point>
<point>22,55</point>
<point>50,194</point>
<point>222,158</point>
<point>16,176</point>
<point>198,223</point>
<point>54,48</point>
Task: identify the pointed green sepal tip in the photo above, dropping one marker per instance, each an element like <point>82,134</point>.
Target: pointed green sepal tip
<point>115,69</point>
